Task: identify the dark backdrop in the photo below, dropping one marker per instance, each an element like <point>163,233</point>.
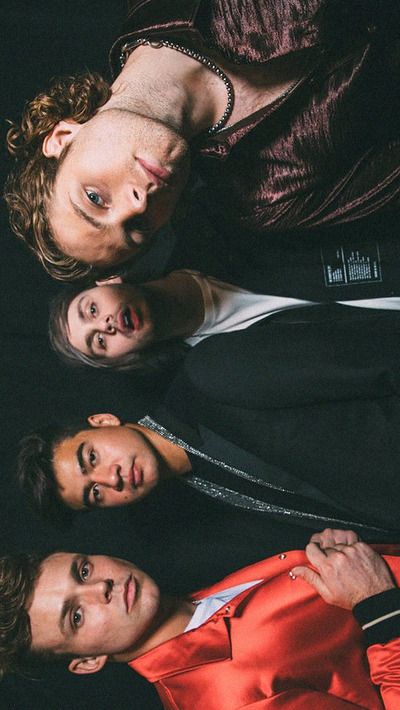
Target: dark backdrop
<point>183,540</point>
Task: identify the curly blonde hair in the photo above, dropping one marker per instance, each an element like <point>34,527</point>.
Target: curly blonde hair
<point>30,183</point>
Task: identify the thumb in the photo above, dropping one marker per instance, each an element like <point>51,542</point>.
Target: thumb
<point>310,576</point>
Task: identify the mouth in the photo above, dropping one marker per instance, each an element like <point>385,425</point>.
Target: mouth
<point>129,593</point>
<point>135,476</point>
<point>159,176</point>
<point>129,320</point>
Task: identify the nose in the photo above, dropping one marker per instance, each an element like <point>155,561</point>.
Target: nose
<point>99,591</point>
<point>107,324</point>
<point>108,475</point>
<point>133,203</point>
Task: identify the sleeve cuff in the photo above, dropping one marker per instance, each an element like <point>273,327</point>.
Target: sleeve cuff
<point>379,616</point>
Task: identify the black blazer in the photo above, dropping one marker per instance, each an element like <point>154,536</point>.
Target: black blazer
<point>325,419</point>
<point>357,260</point>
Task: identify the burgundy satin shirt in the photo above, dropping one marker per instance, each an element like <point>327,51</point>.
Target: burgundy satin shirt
<point>328,152</point>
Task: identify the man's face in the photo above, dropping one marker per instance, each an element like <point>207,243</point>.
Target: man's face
<point>110,321</point>
<point>106,466</point>
<point>117,186</point>
<point>92,605</point>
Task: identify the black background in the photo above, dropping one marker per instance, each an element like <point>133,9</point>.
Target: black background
<point>183,541</point>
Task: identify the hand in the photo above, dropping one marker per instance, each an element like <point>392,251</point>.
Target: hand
<point>345,574</point>
<point>111,280</point>
<point>330,538</point>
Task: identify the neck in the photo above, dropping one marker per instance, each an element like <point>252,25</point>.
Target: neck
<point>177,305</point>
<point>173,616</point>
<point>180,92</point>
<point>175,459</point>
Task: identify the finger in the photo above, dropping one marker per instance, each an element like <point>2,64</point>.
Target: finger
<point>351,537</point>
<point>109,280</point>
<point>324,539</point>
<point>310,576</point>
<point>315,554</point>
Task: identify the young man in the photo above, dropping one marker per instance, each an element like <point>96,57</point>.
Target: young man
<point>131,326</point>
<point>277,634</point>
<point>128,326</point>
<point>234,84</point>
<point>109,464</point>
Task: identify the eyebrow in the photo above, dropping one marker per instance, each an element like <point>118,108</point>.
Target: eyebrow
<point>89,337</point>
<point>127,237</point>
<point>68,603</point>
<point>81,213</point>
<point>79,308</point>
<point>79,456</point>
<point>82,467</point>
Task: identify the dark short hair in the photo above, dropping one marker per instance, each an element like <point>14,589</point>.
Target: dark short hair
<point>35,471</point>
<point>18,574</point>
<point>155,357</point>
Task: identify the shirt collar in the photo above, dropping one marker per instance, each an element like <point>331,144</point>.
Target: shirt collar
<point>209,643</point>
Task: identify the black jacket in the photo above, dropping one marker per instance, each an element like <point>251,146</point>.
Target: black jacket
<point>312,409</point>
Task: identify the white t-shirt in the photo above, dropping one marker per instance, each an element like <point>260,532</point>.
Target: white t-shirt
<point>228,308</point>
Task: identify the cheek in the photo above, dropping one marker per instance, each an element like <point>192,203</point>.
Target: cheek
<point>120,346</point>
<point>129,497</point>
<point>100,629</point>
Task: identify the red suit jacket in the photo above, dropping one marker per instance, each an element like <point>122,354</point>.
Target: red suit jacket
<point>277,645</point>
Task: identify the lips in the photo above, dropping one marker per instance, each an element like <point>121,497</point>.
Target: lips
<point>159,176</point>
<point>128,319</point>
<point>135,476</point>
<point>129,593</point>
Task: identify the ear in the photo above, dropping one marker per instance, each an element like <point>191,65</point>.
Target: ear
<point>98,420</point>
<point>91,664</point>
<point>59,137</point>
<point>110,280</point>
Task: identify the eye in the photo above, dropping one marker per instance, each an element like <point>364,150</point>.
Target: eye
<point>95,198</point>
<point>93,309</point>
<point>96,494</point>
<point>101,341</point>
<point>84,571</point>
<point>77,618</point>
<point>92,457</point>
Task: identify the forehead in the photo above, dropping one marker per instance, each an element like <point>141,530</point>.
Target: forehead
<point>66,449</point>
<point>67,470</point>
<point>54,571</point>
<point>45,607</point>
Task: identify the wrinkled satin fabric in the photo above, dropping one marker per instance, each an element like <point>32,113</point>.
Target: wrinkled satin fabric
<point>277,645</point>
<point>328,151</point>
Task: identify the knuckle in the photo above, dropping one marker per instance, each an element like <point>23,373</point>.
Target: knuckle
<point>362,547</point>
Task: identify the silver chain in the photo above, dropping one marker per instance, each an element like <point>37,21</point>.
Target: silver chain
<point>127,48</point>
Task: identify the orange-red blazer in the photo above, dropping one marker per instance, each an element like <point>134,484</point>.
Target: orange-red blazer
<point>278,645</point>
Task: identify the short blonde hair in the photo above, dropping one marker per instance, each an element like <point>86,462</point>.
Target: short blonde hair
<point>30,183</point>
